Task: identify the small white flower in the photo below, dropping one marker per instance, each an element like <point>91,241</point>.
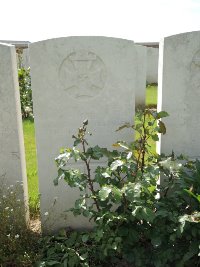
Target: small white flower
<point>171,165</point>
<point>11,210</point>
<point>11,192</point>
<point>28,109</point>
<point>18,200</point>
<point>11,185</point>
<point>16,236</point>
<point>6,208</point>
<point>4,196</point>
<point>166,163</point>
<point>46,213</point>
<point>8,235</point>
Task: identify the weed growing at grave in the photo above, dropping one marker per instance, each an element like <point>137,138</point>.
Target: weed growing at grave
<point>18,244</point>
<point>137,221</point>
<point>25,93</point>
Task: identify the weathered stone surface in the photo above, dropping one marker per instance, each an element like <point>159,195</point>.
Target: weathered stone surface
<point>73,79</point>
<point>12,155</point>
<point>179,93</point>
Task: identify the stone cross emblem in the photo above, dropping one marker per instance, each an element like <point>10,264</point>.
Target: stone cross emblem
<point>82,74</point>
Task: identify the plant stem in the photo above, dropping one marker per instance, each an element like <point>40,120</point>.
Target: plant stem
<point>89,177</point>
<point>143,144</point>
<point>170,179</point>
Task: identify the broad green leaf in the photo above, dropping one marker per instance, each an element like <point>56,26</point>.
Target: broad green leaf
<point>85,238</point>
<point>105,174</point>
<point>55,181</point>
<point>126,125</point>
<point>162,128</point>
<point>149,214</point>
<point>114,245</point>
<point>96,153</point>
<point>129,155</point>
<point>136,210</point>
<point>151,123</point>
<point>104,193</point>
<point>117,194</point>
<point>155,137</point>
<point>77,142</point>
<point>162,114</point>
<point>63,156</point>
<point>193,249</point>
<point>65,263</point>
<point>143,213</point>
<point>84,256</point>
<point>132,191</point>
<point>154,114</point>
<point>156,241</point>
<point>116,164</point>
<point>85,122</point>
<point>162,213</point>
<point>52,263</point>
<point>87,213</point>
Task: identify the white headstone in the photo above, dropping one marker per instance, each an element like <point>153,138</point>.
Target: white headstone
<point>25,58</point>
<point>140,92</point>
<point>12,154</point>
<point>73,79</point>
<point>179,93</point>
<point>152,65</point>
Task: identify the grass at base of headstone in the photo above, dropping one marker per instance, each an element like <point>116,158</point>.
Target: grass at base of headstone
<point>31,166</point>
<point>151,96</point>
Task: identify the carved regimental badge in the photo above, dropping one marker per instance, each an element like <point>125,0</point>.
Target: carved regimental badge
<point>82,74</point>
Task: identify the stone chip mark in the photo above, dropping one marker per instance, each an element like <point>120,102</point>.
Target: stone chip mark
<point>82,74</point>
<point>196,59</point>
<point>15,154</point>
<point>194,70</point>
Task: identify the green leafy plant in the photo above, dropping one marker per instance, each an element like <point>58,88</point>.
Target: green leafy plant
<point>18,244</point>
<point>25,93</point>
<point>137,221</point>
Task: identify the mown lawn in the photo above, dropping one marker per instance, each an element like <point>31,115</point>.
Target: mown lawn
<point>151,96</point>
<point>30,149</point>
<point>31,164</point>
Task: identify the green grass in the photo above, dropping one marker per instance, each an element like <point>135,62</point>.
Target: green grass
<point>151,96</point>
<point>151,102</point>
<point>31,165</point>
<point>30,148</point>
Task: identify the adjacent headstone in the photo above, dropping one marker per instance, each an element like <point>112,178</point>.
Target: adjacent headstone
<point>25,58</point>
<point>179,93</point>
<point>12,154</point>
<point>152,65</point>
<point>73,79</point>
<point>140,92</point>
